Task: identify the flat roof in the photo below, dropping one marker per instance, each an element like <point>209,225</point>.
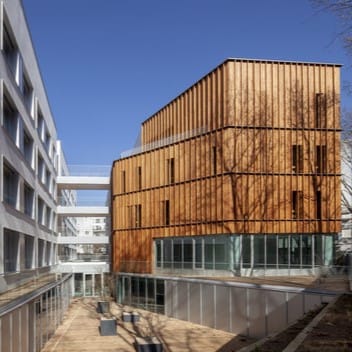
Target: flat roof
<point>283,61</point>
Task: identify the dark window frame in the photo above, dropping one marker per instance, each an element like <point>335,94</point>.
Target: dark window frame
<point>321,159</point>
<point>297,205</point>
<point>297,158</point>
<point>170,170</point>
<point>320,110</point>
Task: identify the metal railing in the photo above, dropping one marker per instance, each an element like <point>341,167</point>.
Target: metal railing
<point>89,170</point>
<point>86,201</point>
<point>84,258</point>
<point>164,141</point>
<point>33,311</point>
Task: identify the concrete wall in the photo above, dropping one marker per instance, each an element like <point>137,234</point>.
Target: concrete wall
<point>240,309</point>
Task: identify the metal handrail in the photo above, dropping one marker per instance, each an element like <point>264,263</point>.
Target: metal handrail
<point>164,142</point>
<point>81,258</point>
<point>20,301</point>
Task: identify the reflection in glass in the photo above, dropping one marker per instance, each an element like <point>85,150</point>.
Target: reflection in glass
<point>283,251</point>
<point>271,252</point>
<point>246,251</point>
<point>258,251</point>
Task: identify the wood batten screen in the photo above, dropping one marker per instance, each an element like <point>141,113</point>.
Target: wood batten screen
<point>266,163</point>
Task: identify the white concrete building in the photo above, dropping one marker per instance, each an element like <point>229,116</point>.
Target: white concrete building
<point>29,158</point>
<point>38,197</point>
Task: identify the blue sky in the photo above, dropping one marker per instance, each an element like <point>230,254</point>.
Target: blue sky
<point>110,64</point>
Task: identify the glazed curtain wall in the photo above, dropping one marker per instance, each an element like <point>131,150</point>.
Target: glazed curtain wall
<point>238,253</point>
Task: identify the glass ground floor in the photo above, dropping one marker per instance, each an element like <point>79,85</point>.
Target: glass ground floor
<point>141,292</point>
<point>91,285</point>
<point>245,254</point>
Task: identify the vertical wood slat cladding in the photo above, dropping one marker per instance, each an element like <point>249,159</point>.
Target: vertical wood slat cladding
<point>253,113</point>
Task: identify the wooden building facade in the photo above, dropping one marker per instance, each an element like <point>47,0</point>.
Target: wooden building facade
<point>241,169</point>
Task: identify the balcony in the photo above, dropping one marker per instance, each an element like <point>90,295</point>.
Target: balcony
<point>83,240</point>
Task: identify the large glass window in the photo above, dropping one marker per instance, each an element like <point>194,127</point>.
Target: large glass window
<point>221,248</point>
<point>328,249</point>
<point>145,293</point>
<point>150,302</point>
<point>246,251</point>
<point>167,253</point>
<point>29,251</point>
<point>41,169</point>
<point>199,253</point>
<point>160,296</point>
<point>47,142</point>
<point>208,253</point>
<point>258,251</point>
<point>28,94</point>
<point>295,251</point>
<point>28,200</point>
<point>48,217</point>
<point>318,250</point>
<point>78,284</point>
<point>10,119</point>
<point>10,253</point>
<point>134,291</point>
<point>283,243</point>
<point>251,251</point>
<point>306,251</point>
<point>271,252</point>
<point>47,253</point>
<point>88,284</point>
<point>141,292</point>
<point>28,148</point>
<point>40,125</point>
<point>40,252</point>
<point>48,179</point>
<point>187,253</point>
<point>40,211</point>
<point>10,50</point>
<point>10,184</point>
<point>177,257</point>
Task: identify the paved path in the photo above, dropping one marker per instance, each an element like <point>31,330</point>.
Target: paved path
<point>80,332</point>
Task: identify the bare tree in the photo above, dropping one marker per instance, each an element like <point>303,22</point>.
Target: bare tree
<point>343,10</point>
